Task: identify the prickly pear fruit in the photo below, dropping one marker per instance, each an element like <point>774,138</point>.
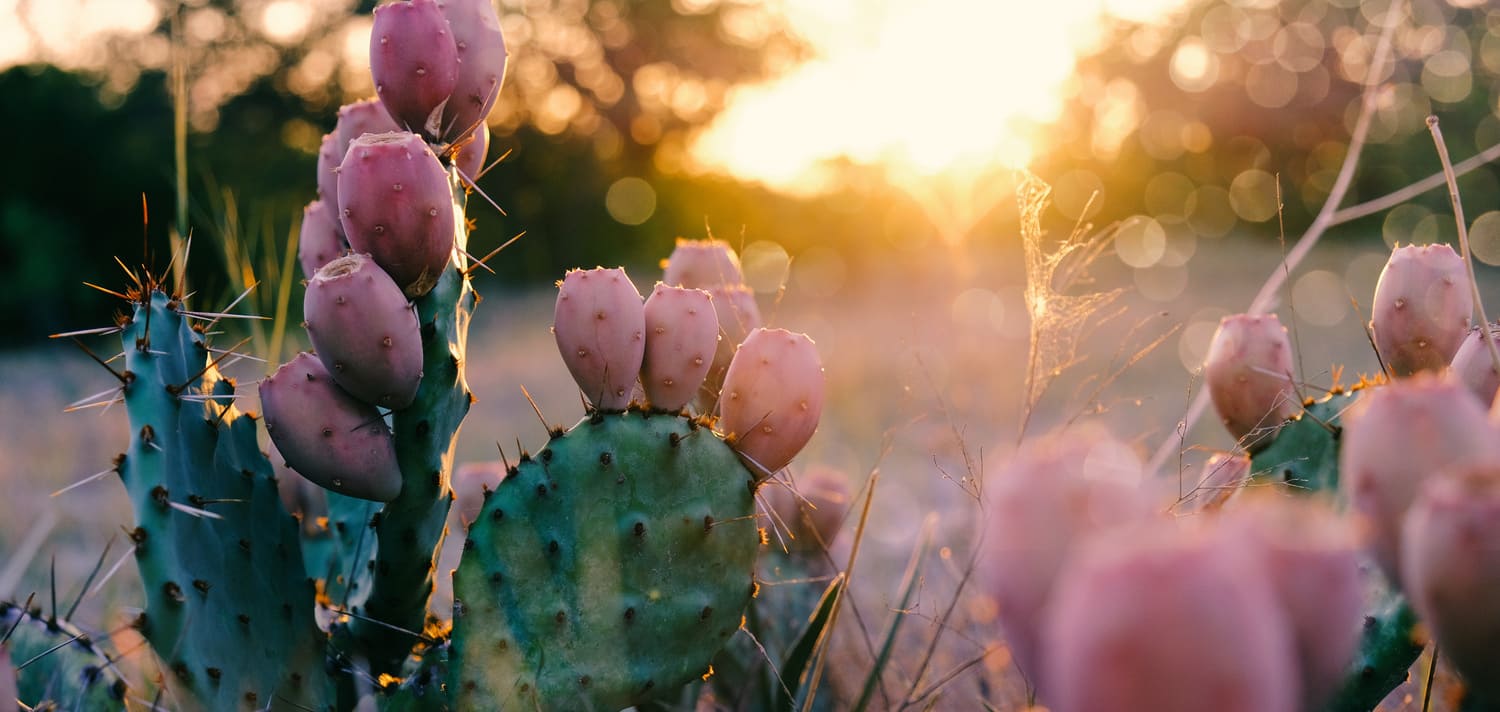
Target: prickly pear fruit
<point>299,495</point>
<point>813,512</point>
<point>681,336</point>
<point>703,264</point>
<point>1473,365</point>
<point>481,65</point>
<point>772,399</point>
<point>395,204</point>
<point>414,62</point>
<point>1422,308</point>
<point>1396,437</point>
<point>1224,475</point>
<point>600,325</point>
<point>1169,621</point>
<point>1055,491</point>
<point>329,157</point>
<point>364,331</point>
<point>735,307</point>
<point>359,118</point>
<point>470,158</point>
<point>328,436</point>
<point>1249,376</point>
<point>321,240</point>
<point>1451,569</point>
<point>1311,558</point>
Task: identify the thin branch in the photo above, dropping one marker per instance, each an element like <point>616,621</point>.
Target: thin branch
<point>1463,238</point>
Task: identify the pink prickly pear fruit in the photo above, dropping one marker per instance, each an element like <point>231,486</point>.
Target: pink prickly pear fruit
<point>1224,475</point>
<point>299,496</point>
<point>1422,308</point>
<point>470,156</point>
<point>772,398</point>
<point>1393,439</point>
<point>1451,570</point>
<point>682,334</point>
<point>364,331</point>
<point>360,118</point>
<point>1168,620</point>
<point>321,239</point>
<point>1311,557</point>
<point>1056,491</point>
<point>395,205</point>
<point>328,436</point>
<point>1474,367</point>
<point>703,264</point>
<point>1249,376</point>
<point>812,509</point>
<point>329,157</point>
<point>414,62</point>
<point>738,314</point>
<point>600,326</point>
<point>470,481</point>
<point>481,65</point>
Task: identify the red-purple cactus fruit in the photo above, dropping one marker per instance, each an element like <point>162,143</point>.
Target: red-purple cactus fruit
<point>1311,558</point>
<point>327,435</point>
<point>1422,308</point>
<point>1397,436</point>
<point>360,118</point>
<point>1055,491</point>
<point>414,62</point>
<point>1474,367</point>
<point>470,157</point>
<point>1167,620</point>
<point>1249,375</point>
<point>395,205</point>
<point>814,512</point>
<point>772,398</point>
<point>321,240</point>
<point>1224,475</point>
<point>600,326</point>
<point>364,331</point>
<point>329,157</point>
<point>681,336</point>
<point>1451,570</point>
<point>470,481</point>
<point>481,65</point>
<point>703,264</point>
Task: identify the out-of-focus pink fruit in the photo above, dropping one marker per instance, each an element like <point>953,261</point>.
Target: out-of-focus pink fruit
<point>738,315</point>
<point>1451,569</point>
<point>1422,308</point>
<point>8,691</point>
<point>364,331</point>
<point>327,435</point>
<point>813,513</point>
<point>299,495</point>
<point>1473,365</point>
<point>772,398</point>
<point>414,62</point>
<point>1168,621</point>
<point>600,325</point>
<point>321,240</point>
<point>703,264</point>
<point>329,157</point>
<point>395,205</point>
<point>481,65</point>
<point>1249,376</point>
<point>470,158</point>
<point>1224,475</point>
<point>1395,437</point>
<point>681,336</point>
<point>470,481</point>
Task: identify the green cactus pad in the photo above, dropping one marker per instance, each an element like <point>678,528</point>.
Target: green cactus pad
<point>67,668</point>
<point>606,570</point>
<point>1305,453</point>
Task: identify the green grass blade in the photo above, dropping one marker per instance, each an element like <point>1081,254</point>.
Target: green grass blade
<point>898,616</point>
<point>796,661</point>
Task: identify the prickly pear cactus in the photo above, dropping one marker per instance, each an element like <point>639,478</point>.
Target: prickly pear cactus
<point>63,666</point>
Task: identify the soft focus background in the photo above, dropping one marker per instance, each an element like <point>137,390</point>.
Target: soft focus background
<point>862,154</point>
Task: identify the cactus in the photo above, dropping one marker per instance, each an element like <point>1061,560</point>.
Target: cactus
<point>395,204</point>
<point>684,335</point>
<point>321,239</point>
<point>1249,376</point>
<point>471,155</point>
<point>364,331</point>
<point>481,67</point>
<point>1422,308</point>
<point>1473,366</point>
<point>63,665</point>
<point>600,326</point>
<point>772,398</point>
<point>414,61</point>
<point>713,266</point>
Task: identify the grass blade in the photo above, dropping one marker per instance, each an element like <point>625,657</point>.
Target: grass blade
<point>898,616</point>
<point>796,661</point>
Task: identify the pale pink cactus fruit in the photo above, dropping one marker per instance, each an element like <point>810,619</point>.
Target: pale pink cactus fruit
<point>1395,437</point>
<point>414,62</point>
<point>600,325</point>
<point>682,334</point>
<point>328,436</point>
<point>738,314</point>
<point>1055,491</point>
<point>811,510</point>
<point>396,206</point>
<point>470,481</point>
<point>329,158</point>
<point>364,331</point>
<point>1167,619</point>
<point>1422,308</point>
<point>481,65</point>
<point>1451,569</point>
<point>471,155</point>
<point>1225,474</point>
<point>321,239</point>
<point>1249,376</point>
<point>299,495</point>
<point>1475,367</point>
<point>703,264</point>
<point>1312,559</point>
<point>772,398</point>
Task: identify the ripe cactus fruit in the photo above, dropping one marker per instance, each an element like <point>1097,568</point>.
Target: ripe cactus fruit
<point>1169,621</point>
<point>703,264</point>
<point>328,436</point>
<point>813,513</point>
<point>1473,365</point>
<point>359,118</point>
<point>600,326</point>
<point>321,240</point>
<point>1054,492</point>
<point>1249,376</point>
<point>414,62</point>
<point>481,65</point>
<point>1422,308</point>
<point>364,331</point>
<point>772,399</point>
<point>1396,437</point>
<point>470,157</point>
<point>329,158</point>
<point>396,205</point>
<point>682,333</point>
<point>1451,570</point>
<point>1224,475</point>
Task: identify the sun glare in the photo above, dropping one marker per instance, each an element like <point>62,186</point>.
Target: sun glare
<point>920,87</point>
